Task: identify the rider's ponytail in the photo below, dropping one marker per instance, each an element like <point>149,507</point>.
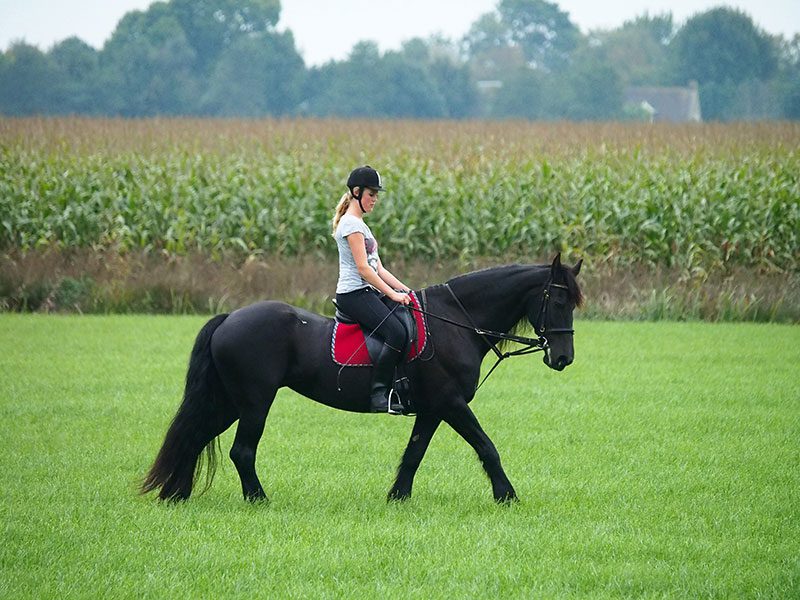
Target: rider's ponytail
<point>341,208</point>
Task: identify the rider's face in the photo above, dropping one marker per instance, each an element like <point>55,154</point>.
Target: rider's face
<point>369,198</point>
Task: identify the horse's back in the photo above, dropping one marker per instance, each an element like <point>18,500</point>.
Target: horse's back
<point>264,330</point>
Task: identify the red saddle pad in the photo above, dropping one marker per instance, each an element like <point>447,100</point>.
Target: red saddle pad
<point>349,348</point>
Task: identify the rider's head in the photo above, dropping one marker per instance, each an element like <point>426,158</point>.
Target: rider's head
<point>360,179</point>
<point>363,177</point>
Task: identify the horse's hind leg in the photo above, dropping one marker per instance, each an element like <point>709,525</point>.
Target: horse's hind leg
<point>425,426</point>
<point>253,409</point>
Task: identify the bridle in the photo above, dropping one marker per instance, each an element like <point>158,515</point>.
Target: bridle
<point>540,325</point>
<point>531,345</point>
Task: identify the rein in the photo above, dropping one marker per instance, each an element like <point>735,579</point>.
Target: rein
<point>531,344</point>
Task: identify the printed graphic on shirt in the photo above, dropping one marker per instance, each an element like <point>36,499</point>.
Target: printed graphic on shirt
<point>371,247</point>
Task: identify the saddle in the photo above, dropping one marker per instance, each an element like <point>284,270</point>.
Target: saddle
<point>353,345</point>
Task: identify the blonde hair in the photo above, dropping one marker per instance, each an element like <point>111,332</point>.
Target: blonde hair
<point>341,208</point>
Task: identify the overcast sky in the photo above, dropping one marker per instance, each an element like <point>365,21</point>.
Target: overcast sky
<point>328,29</point>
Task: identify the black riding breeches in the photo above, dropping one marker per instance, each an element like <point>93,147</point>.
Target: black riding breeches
<point>369,308</point>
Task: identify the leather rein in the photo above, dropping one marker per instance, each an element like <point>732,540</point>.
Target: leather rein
<point>531,345</point>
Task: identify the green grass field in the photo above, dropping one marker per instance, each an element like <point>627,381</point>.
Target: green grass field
<point>664,463</point>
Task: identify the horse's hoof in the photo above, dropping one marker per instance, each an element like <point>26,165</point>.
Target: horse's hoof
<point>256,498</point>
<point>398,496</point>
<point>507,499</point>
<point>173,496</point>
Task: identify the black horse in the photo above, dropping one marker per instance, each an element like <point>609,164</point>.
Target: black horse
<point>240,360</point>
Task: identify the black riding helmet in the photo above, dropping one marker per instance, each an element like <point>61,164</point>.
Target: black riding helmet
<point>363,177</point>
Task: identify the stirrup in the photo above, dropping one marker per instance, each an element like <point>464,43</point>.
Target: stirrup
<point>389,409</point>
<point>405,401</point>
<point>393,404</point>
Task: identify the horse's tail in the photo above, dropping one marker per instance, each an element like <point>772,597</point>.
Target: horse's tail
<point>195,426</point>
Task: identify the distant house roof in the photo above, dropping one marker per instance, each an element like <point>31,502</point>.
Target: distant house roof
<point>671,104</point>
<point>489,84</point>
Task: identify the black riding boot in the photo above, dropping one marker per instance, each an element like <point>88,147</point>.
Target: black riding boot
<point>382,375</point>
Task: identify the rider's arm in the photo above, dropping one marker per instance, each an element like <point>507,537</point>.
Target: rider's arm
<point>389,278</point>
<point>356,242</point>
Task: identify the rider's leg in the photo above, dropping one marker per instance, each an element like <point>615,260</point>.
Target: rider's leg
<point>367,308</point>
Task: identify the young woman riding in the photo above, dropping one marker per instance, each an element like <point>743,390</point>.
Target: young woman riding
<point>366,290</point>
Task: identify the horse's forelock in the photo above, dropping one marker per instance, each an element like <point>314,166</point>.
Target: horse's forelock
<point>574,288</point>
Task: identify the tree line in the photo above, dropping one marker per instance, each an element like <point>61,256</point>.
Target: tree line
<point>525,59</point>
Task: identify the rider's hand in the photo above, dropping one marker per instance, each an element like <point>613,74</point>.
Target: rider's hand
<point>400,297</point>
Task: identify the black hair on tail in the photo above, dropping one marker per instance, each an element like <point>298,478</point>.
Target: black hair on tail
<point>194,427</point>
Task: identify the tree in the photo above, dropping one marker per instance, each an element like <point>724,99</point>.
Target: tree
<point>407,90</point>
<point>370,85</point>
<point>543,31</point>
<point>25,81</point>
<point>75,86</point>
<point>639,49</point>
<point>722,45</point>
<point>455,85</point>
<point>489,32</point>
<point>450,75</point>
<point>787,81</point>
<point>790,98</point>
<point>593,86</point>
<point>504,46</point>
<point>522,95</point>
<point>147,65</point>
<point>260,74</point>
<point>340,88</point>
<point>660,27</point>
<point>721,49</point>
<point>213,25</point>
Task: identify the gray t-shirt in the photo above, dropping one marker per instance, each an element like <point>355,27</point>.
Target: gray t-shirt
<point>350,279</point>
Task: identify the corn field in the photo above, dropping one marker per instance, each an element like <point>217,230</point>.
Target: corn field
<point>703,197</point>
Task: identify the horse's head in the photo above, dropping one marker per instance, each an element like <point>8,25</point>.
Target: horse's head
<point>550,313</point>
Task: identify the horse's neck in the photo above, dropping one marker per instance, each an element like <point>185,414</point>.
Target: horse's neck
<point>495,299</point>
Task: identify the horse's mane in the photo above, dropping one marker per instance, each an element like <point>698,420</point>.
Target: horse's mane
<point>574,288</point>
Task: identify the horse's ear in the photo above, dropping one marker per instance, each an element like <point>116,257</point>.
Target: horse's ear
<point>577,268</point>
<point>556,262</point>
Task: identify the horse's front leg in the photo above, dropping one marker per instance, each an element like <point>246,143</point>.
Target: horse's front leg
<point>461,418</point>
<point>424,427</point>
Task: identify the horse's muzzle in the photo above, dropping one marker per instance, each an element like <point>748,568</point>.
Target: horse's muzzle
<point>559,364</point>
